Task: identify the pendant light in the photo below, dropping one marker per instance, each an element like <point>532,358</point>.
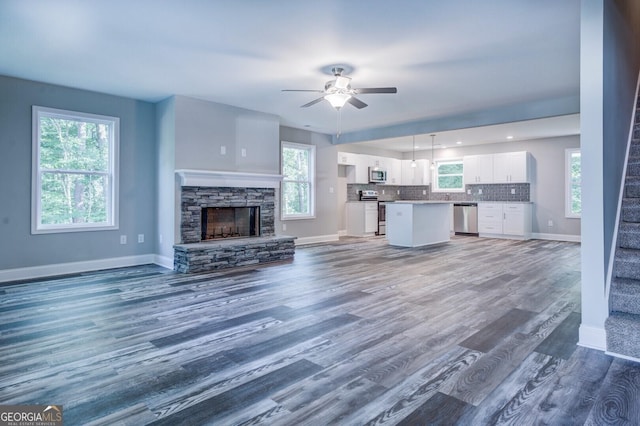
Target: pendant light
<point>433,161</point>
<point>413,161</point>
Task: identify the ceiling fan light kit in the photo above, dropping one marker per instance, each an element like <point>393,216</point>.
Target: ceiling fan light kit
<point>337,100</point>
<point>339,91</point>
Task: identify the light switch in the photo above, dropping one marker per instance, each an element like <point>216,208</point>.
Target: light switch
<point>223,150</point>
<point>243,152</point>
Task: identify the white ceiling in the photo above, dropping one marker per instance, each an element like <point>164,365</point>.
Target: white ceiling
<point>445,57</point>
<point>565,125</point>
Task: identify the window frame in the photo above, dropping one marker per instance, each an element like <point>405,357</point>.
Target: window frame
<point>112,174</point>
<point>568,184</point>
<point>434,175</point>
<point>311,182</point>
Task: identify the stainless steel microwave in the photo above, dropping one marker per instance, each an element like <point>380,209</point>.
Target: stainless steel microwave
<point>377,175</point>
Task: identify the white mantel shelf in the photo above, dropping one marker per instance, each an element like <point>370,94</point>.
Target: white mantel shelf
<point>227,179</point>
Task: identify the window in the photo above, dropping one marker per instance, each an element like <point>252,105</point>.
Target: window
<point>573,171</point>
<point>298,170</point>
<point>74,182</point>
<point>448,176</point>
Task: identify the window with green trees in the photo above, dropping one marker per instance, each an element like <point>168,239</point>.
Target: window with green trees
<point>298,170</point>
<point>448,176</point>
<point>74,171</point>
<point>573,197</point>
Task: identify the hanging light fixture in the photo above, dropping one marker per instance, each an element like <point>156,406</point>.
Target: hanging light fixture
<point>413,160</point>
<point>433,161</point>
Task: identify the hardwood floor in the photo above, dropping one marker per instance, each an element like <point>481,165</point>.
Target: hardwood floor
<point>472,332</point>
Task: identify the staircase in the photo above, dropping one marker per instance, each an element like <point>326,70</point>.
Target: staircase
<point>623,324</point>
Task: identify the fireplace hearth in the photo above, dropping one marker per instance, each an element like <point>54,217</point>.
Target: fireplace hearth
<point>230,222</point>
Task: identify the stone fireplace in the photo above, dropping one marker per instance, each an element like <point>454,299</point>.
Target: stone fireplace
<point>252,208</point>
<point>227,219</point>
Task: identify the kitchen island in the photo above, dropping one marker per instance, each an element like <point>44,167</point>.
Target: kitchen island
<point>418,223</point>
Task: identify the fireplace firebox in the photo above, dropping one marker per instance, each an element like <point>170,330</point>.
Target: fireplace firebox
<point>230,222</point>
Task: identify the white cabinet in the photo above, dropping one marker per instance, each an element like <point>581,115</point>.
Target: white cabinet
<point>514,219</point>
<point>361,174</point>
<point>347,158</point>
<point>394,171</point>
<point>478,169</point>
<point>507,220</point>
<point>508,167</point>
<point>511,167</point>
<point>362,218</point>
<point>418,175</point>
<point>490,218</point>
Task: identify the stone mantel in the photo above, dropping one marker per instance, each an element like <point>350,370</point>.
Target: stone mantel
<point>228,179</point>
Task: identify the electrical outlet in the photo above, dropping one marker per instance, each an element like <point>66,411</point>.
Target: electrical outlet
<point>468,192</point>
<point>123,239</point>
<point>480,191</point>
<point>140,238</point>
<point>424,192</point>
<point>550,223</point>
<point>284,226</point>
<point>513,191</point>
<point>243,152</point>
<point>383,192</point>
<point>223,150</point>
<point>398,192</point>
<point>331,190</point>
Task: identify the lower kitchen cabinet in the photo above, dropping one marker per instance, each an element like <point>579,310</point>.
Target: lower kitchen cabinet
<point>504,220</point>
<point>362,218</point>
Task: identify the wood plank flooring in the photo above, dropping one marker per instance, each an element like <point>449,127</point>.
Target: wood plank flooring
<point>472,332</point>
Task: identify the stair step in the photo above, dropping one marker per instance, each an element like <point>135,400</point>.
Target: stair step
<point>632,187</point>
<point>623,334</point>
<point>633,166</point>
<point>631,209</point>
<point>625,295</point>
<point>627,264</point>
<point>629,235</point>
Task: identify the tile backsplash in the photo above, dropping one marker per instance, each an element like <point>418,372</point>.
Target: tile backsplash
<point>482,192</point>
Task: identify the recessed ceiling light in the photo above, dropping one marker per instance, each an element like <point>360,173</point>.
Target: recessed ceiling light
<point>509,137</point>
<point>459,143</point>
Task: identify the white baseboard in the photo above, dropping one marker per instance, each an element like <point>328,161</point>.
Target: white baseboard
<point>317,239</point>
<point>592,337</point>
<point>628,358</point>
<point>342,233</point>
<point>75,267</point>
<point>556,237</point>
<point>164,261</point>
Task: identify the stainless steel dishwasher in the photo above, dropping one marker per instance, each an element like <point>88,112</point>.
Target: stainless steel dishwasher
<point>465,218</point>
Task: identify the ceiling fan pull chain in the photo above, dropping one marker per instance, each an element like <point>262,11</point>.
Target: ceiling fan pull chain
<point>338,124</point>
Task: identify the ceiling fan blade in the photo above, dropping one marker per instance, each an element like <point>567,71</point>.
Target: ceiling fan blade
<point>302,90</point>
<point>313,102</point>
<point>356,102</point>
<point>376,90</point>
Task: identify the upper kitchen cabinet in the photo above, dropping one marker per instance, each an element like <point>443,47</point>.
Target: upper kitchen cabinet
<point>346,158</point>
<point>511,167</point>
<point>478,169</point>
<point>394,171</point>
<point>418,175</point>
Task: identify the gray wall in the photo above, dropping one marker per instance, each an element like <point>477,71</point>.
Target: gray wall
<point>137,177</point>
<point>609,64</point>
<point>621,62</point>
<point>168,224</point>
<point>327,216</point>
<point>203,127</point>
<point>190,134</point>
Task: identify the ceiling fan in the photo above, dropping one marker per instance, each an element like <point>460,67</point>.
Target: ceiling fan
<point>339,91</point>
